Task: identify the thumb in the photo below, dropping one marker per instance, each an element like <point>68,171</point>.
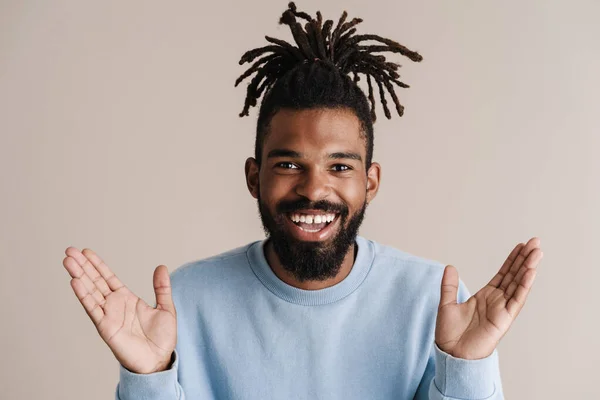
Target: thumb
<point>162,289</point>
<point>449,289</point>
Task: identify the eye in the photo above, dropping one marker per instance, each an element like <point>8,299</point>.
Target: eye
<point>286,165</point>
<point>341,168</point>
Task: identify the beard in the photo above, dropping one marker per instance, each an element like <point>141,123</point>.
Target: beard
<point>316,261</point>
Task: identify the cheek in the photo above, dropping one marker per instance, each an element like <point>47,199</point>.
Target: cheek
<point>274,188</point>
<point>353,193</point>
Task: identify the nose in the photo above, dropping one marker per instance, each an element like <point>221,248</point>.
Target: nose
<point>314,185</point>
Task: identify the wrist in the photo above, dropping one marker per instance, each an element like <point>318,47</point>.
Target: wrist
<point>166,364</point>
<point>466,378</point>
<point>476,353</point>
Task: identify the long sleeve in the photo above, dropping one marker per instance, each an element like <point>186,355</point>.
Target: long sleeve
<point>450,378</point>
<point>156,386</point>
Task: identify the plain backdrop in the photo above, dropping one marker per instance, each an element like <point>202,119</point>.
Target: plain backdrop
<point>119,131</point>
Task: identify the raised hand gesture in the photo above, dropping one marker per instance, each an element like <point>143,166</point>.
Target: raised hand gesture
<point>141,337</point>
<point>472,330</point>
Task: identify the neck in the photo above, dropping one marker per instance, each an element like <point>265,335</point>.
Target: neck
<point>289,278</point>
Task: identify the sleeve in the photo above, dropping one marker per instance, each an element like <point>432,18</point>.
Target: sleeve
<point>450,378</point>
<point>156,386</point>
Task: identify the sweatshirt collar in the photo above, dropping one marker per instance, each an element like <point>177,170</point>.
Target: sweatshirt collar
<point>358,273</point>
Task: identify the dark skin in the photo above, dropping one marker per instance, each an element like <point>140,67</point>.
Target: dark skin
<point>469,330</point>
<point>314,154</point>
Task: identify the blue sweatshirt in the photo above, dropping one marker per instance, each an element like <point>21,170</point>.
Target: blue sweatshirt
<point>245,334</point>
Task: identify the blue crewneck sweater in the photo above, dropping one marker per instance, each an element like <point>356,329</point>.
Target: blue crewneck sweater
<point>245,334</point>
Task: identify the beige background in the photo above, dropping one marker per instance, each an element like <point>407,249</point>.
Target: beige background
<point>119,132</point>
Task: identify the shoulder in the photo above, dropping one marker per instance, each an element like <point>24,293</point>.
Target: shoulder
<point>415,275</point>
<point>418,275</point>
<point>402,261</point>
<point>225,264</point>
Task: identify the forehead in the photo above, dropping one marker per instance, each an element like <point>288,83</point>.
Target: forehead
<point>319,130</point>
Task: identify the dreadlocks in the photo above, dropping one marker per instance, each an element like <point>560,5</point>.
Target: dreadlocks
<point>315,73</point>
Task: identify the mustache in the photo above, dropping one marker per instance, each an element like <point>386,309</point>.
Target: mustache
<point>303,204</point>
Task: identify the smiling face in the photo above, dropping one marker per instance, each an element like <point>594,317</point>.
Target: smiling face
<point>312,188</point>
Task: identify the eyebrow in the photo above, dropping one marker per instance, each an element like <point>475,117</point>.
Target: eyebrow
<point>346,155</point>
<point>283,153</point>
<point>294,154</point>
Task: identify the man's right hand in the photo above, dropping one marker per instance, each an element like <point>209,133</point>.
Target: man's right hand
<point>142,338</point>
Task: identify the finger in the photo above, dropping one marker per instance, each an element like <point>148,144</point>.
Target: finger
<point>89,270</point>
<point>515,266</point>
<point>162,289</point>
<point>109,277</point>
<point>517,301</point>
<point>532,261</point>
<point>93,309</point>
<point>449,286</point>
<point>76,271</point>
<point>531,245</point>
<point>497,279</point>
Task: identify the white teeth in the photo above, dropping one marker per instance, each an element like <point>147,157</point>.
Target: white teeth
<point>309,219</point>
<point>309,230</point>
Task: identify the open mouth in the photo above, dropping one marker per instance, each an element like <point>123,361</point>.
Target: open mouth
<point>313,222</point>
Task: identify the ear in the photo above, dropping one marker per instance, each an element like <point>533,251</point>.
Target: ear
<point>373,179</point>
<point>252,169</point>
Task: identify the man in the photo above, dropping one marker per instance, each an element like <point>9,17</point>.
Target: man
<point>313,311</point>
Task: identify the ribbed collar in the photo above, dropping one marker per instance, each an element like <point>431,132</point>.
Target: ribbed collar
<point>358,273</point>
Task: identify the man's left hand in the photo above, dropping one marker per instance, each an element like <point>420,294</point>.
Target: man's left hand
<point>472,330</point>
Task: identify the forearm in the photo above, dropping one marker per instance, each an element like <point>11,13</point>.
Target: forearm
<point>457,378</point>
<point>450,378</point>
<point>161,385</point>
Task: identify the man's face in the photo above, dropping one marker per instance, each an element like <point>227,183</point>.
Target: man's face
<point>312,188</point>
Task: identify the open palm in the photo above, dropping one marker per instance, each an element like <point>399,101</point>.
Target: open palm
<point>472,329</point>
<point>141,337</point>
